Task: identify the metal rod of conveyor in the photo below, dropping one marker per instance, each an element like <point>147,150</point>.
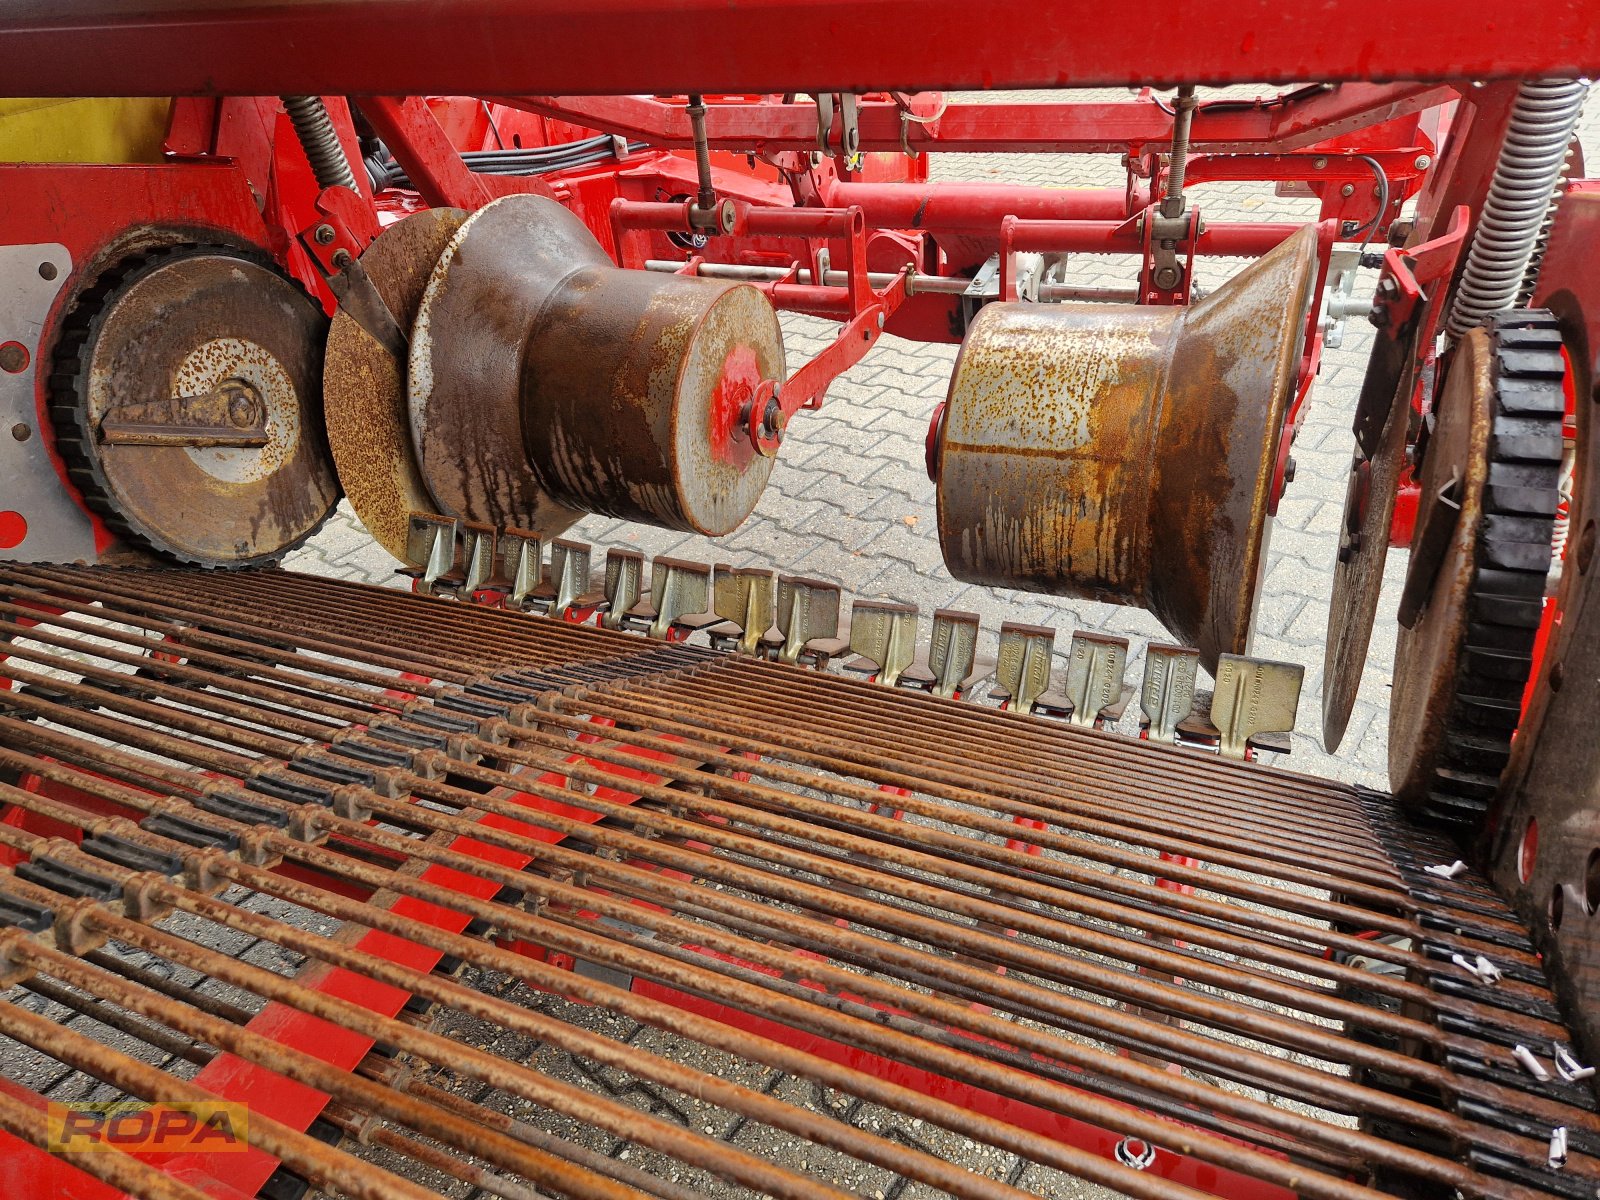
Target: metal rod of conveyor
<point>520,923</point>
<point>1149,993</point>
<point>711,830</point>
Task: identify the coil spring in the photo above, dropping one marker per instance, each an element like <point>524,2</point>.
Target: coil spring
<point>1530,278</point>
<point>1520,198</point>
<point>318,139</point>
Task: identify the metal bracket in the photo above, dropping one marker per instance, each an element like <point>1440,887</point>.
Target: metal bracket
<point>808,611</point>
<point>1023,670</point>
<point>1167,695</point>
<point>984,289</point>
<point>885,633</point>
<point>1339,301</point>
<point>521,556</point>
<point>743,595</point>
<point>1095,667</point>
<point>952,650</point>
<point>430,550</point>
<point>824,121</point>
<point>1253,696</point>
<point>54,528</point>
<point>566,584</point>
<point>850,130</point>
<point>359,298</point>
<point>479,546</point>
<point>677,589</point>
<point>624,585</point>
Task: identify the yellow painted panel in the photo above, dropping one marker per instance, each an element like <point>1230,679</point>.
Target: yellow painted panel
<point>83,131</point>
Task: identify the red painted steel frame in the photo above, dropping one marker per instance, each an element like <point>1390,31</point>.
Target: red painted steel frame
<point>1084,127</point>
<point>613,47</point>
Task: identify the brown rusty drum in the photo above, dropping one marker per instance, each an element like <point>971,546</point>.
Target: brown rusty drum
<point>1125,453</point>
<point>546,382</point>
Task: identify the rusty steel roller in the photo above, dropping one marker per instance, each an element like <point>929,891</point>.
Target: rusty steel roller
<point>545,381</point>
<point>1126,453</point>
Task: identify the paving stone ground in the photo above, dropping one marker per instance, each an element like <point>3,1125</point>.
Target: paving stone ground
<point>849,500</point>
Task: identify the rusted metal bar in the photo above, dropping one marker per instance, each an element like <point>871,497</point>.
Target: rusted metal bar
<point>676,1021</point>
<point>584,947</point>
<point>1301,944</point>
<point>954,789</point>
<point>707,826</point>
<point>311,1158</point>
<point>160,983</point>
<point>1007,951</point>
<point>107,1015</point>
<point>121,1171</point>
<point>405,1078</point>
<point>369,1131</point>
<point>321,1163</point>
<point>600,780</point>
<point>1058,968</point>
<point>856,749</point>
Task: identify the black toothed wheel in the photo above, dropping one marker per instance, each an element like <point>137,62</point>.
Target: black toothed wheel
<point>1463,665</point>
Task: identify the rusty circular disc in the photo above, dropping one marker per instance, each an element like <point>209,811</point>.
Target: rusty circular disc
<point>365,404</point>
<point>1358,573</point>
<point>1427,654</point>
<point>181,323</point>
<point>1125,453</point>
<point>465,372</point>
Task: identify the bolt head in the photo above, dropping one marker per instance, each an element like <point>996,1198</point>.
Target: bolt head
<point>1423,162</point>
<point>1289,468</point>
<point>1348,189</point>
<point>323,234</point>
<point>21,431</point>
<point>342,258</point>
